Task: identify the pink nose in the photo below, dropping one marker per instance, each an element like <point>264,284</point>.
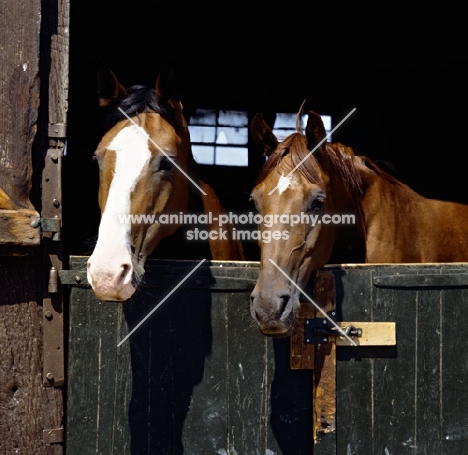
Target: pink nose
<point>113,283</point>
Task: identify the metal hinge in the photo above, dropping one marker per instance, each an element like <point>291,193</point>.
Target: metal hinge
<point>52,303</point>
<point>57,130</point>
<point>53,225</point>
<point>54,367</point>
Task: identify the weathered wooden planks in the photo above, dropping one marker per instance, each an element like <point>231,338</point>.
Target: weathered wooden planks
<point>31,416</point>
<point>26,408</point>
<point>411,398</point>
<point>200,378</point>
<point>19,228</point>
<point>197,377</point>
<point>19,91</point>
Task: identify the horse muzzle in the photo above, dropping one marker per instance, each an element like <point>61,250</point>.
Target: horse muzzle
<point>274,312</point>
<point>111,283</point>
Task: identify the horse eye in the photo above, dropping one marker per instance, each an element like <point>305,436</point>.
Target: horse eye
<point>316,205</point>
<point>166,164</point>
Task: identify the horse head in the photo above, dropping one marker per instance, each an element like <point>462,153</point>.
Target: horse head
<point>144,159</point>
<point>296,193</point>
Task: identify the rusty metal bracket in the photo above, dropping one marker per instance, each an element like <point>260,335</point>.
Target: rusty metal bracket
<point>52,304</point>
<point>57,130</point>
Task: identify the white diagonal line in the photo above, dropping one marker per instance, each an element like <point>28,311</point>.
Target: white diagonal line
<point>160,303</point>
<point>342,332</point>
<point>160,149</point>
<point>313,150</point>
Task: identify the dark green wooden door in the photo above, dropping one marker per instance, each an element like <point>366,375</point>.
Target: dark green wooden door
<point>412,398</point>
<point>197,377</point>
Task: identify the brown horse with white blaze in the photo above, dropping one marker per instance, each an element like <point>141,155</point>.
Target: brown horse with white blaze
<point>146,167</point>
<point>389,222</point>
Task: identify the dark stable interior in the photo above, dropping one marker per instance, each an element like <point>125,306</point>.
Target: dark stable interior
<point>408,94</point>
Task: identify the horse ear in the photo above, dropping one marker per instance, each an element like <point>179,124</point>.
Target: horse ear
<point>315,131</point>
<point>262,135</point>
<point>166,87</point>
<point>109,88</point>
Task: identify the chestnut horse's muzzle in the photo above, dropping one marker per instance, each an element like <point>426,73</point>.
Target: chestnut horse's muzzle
<point>274,311</point>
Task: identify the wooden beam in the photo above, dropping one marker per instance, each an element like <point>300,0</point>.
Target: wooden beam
<point>302,354</point>
<point>324,405</point>
<point>19,228</point>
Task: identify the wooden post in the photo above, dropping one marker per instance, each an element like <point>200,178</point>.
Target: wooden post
<point>324,405</point>
<point>30,32</point>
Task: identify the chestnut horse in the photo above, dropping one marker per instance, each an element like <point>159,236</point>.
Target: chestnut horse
<point>388,221</point>
<point>146,167</point>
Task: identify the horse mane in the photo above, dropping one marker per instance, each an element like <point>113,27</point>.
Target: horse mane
<point>140,99</point>
<point>295,146</point>
<point>381,172</point>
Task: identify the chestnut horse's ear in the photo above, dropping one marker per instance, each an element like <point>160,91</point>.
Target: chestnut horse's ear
<point>110,89</point>
<point>315,131</point>
<point>262,135</point>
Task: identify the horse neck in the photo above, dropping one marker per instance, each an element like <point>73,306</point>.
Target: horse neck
<point>392,212</point>
<point>350,239</point>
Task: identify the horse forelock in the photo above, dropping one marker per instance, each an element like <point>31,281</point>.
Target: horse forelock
<point>140,99</point>
<point>295,147</point>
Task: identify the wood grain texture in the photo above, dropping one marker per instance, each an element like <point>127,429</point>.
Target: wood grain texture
<point>27,407</point>
<point>208,369</point>
<point>410,399</point>
<point>33,419</point>
<point>302,354</point>
<point>19,228</point>
<point>197,377</point>
<point>19,91</point>
<point>324,400</point>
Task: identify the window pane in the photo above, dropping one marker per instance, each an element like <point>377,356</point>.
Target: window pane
<point>233,118</point>
<point>202,134</point>
<point>285,121</point>
<point>232,156</point>
<point>227,135</point>
<point>203,154</point>
<point>203,117</point>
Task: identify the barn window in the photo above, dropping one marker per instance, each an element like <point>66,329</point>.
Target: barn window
<point>221,137</point>
<point>285,124</point>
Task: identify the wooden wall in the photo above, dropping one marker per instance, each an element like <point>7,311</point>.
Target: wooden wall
<point>33,37</point>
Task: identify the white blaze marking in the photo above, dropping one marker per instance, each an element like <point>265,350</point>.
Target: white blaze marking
<point>132,155</point>
<point>284,182</point>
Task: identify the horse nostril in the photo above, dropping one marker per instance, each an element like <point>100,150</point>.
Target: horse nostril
<point>283,303</point>
<point>126,269</point>
<point>257,316</point>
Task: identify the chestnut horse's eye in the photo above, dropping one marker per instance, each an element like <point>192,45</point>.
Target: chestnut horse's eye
<point>166,164</point>
<point>316,205</point>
